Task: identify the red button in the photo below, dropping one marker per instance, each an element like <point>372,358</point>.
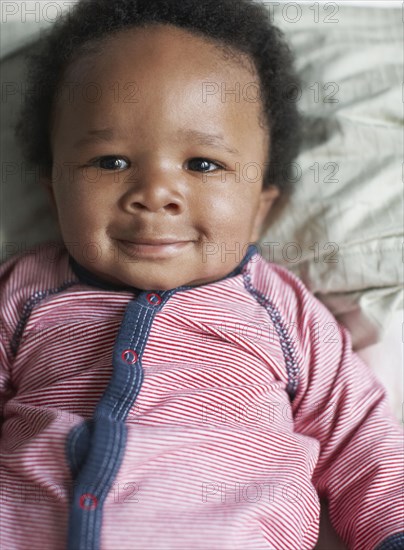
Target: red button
<point>88,496</point>
<point>132,356</point>
<point>153,299</point>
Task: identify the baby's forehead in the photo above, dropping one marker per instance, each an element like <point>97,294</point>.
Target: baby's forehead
<point>181,49</point>
<point>155,59</point>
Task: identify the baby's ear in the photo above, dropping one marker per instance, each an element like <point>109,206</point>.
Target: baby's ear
<point>267,198</point>
<point>46,183</point>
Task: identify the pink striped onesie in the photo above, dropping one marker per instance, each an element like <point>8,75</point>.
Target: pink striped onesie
<point>199,418</point>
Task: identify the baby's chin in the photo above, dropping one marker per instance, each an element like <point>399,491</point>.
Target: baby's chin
<point>157,277</point>
<point>143,277</point>
<point>165,281</point>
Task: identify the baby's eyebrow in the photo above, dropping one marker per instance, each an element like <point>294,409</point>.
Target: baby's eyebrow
<point>104,134</point>
<point>203,138</point>
<point>195,136</point>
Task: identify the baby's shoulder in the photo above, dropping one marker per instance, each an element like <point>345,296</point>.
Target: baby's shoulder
<point>276,287</point>
<point>40,262</point>
<point>40,268</point>
<point>290,304</point>
<point>25,279</point>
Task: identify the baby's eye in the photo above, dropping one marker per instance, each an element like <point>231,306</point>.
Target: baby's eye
<point>110,162</point>
<point>204,165</point>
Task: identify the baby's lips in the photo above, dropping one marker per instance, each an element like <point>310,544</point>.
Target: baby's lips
<point>155,241</point>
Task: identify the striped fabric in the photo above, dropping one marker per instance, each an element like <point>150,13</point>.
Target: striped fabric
<point>199,418</point>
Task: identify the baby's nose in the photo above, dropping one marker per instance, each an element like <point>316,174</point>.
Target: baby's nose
<point>157,190</point>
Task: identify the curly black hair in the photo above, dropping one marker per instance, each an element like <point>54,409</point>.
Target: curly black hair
<point>235,26</point>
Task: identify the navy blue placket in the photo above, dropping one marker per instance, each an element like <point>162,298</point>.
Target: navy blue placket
<point>96,447</point>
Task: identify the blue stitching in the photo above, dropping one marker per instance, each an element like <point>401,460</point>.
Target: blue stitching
<point>393,542</point>
<point>287,346</point>
<point>27,309</point>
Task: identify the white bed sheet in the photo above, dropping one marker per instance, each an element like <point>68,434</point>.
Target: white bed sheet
<point>386,359</point>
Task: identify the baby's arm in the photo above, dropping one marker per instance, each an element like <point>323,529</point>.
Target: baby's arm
<point>6,389</point>
<point>340,402</point>
<point>4,374</point>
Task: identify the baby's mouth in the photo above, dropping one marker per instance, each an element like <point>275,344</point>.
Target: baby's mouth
<point>154,248</point>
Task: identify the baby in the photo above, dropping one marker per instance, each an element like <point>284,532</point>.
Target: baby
<point>163,385</point>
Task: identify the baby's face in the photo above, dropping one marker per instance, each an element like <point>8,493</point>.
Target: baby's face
<point>153,148</point>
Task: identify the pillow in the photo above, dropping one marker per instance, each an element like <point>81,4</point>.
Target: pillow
<point>26,217</point>
<point>341,231</point>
